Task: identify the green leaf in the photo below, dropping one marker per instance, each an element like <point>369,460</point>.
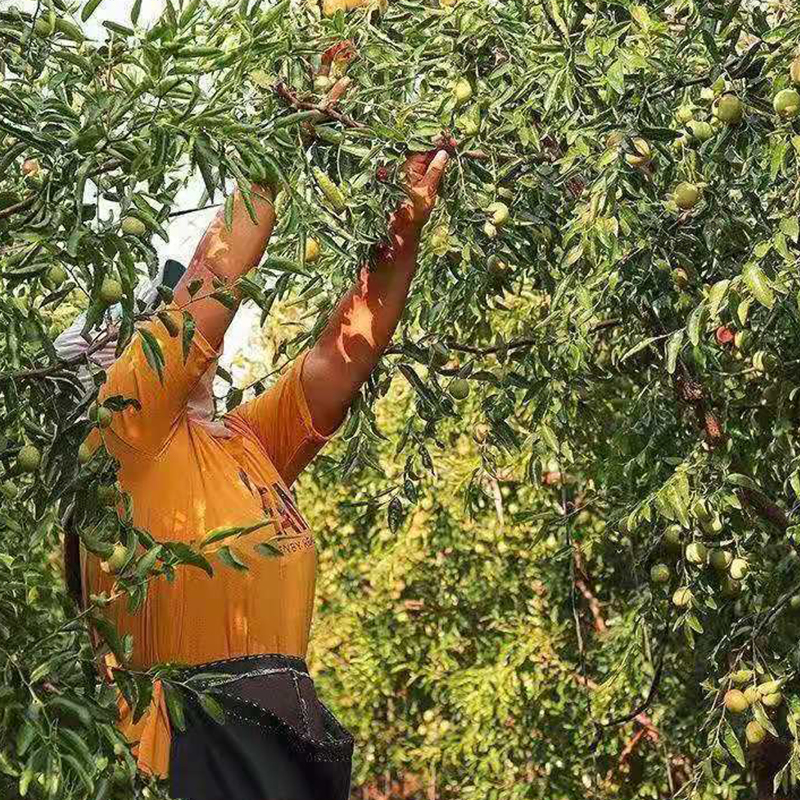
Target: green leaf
<point>230,559</point>
<point>175,706</point>
<point>780,777</point>
<point>758,284</point>
<point>102,789</point>
<point>553,91</point>
<point>616,77</point>
<point>395,514</point>
<point>794,480</point>
<point>791,228</point>
<point>218,534</point>
<point>135,10</point>
<point>743,311</point>
<point>147,561</point>
<point>245,192</point>
<point>189,327</point>
<point>188,555</point>
<point>696,324</point>
<point>77,711</point>
<point>115,27</point>
<point>762,248</point>
<point>108,633</point>
<point>268,550</point>
<point>794,763</point>
<point>559,19</point>
<point>144,696</point>
<point>638,347</point>
<point>694,623</point>
<point>741,480</point>
<point>25,736</point>
<point>153,353</point>
<point>715,297</point>
<point>674,345</point>
<point>202,156</point>
<point>212,708</point>
<point>641,16</point>
<point>89,9</point>
<point>549,437</point>
<point>278,264</point>
<point>226,298</point>
<point>229,206</point>
<point>733,745</point>
<point>80,770</point>
<point>778,154</point>
<point>762,718</point>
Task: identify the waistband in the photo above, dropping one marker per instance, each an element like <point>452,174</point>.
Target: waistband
<point>214,673</point>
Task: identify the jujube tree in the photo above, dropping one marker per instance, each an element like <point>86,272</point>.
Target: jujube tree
<point>606,301</point>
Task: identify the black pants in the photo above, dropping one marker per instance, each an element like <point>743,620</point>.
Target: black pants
<point>278,740</point>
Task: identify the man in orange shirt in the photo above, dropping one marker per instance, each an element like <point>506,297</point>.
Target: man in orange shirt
<point>188,474</point>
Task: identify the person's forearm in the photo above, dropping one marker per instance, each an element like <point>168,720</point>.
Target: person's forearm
<point>364,321</point>
<point>222,258</point>
<point>362,325</point>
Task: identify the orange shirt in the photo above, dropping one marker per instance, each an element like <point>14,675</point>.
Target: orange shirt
<point>185,482</point>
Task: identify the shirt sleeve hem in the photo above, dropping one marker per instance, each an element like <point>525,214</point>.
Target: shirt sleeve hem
<point>302,403</point>
<point>207,354</point>
<point>200,341</point>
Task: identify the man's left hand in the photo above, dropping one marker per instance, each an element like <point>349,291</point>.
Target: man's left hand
<point>423,175</point>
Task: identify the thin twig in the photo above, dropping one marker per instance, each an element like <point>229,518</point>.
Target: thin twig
<point>181,213</point>
<point>17,207</point>
<point>651,693</point>
<point>681,85</point>
<point>290,97</point>
<point>41,372</point>
<point>30,199</point>
<point>528,342</point>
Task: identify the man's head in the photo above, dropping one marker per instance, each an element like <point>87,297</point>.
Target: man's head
<point>71,344</point>
<point>200,404</point>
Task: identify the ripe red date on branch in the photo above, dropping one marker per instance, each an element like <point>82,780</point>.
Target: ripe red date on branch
<point>724,335</point>
<point>446,142</point>
<point>344,51</point>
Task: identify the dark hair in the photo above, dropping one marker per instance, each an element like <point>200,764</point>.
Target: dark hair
<point>72,561</point>
<point>173,272</point>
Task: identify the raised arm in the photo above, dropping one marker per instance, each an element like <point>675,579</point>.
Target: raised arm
<point>226,256</point>
<point>147,425</point>
<point>365,320</point>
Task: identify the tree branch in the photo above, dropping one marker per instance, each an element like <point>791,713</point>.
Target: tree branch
<point>17,207</point>
<point>765,508</point>
<point>645,704</point>
<point>30,199</point>
<point>42,372</point>
<point>485,351</point>
<point>641,718</point>
<point>681,85</point>
<point>582,585</point>
<point>324,111</point>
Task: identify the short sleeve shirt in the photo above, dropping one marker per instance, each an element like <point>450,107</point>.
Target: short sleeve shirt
<point>185,482</point>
